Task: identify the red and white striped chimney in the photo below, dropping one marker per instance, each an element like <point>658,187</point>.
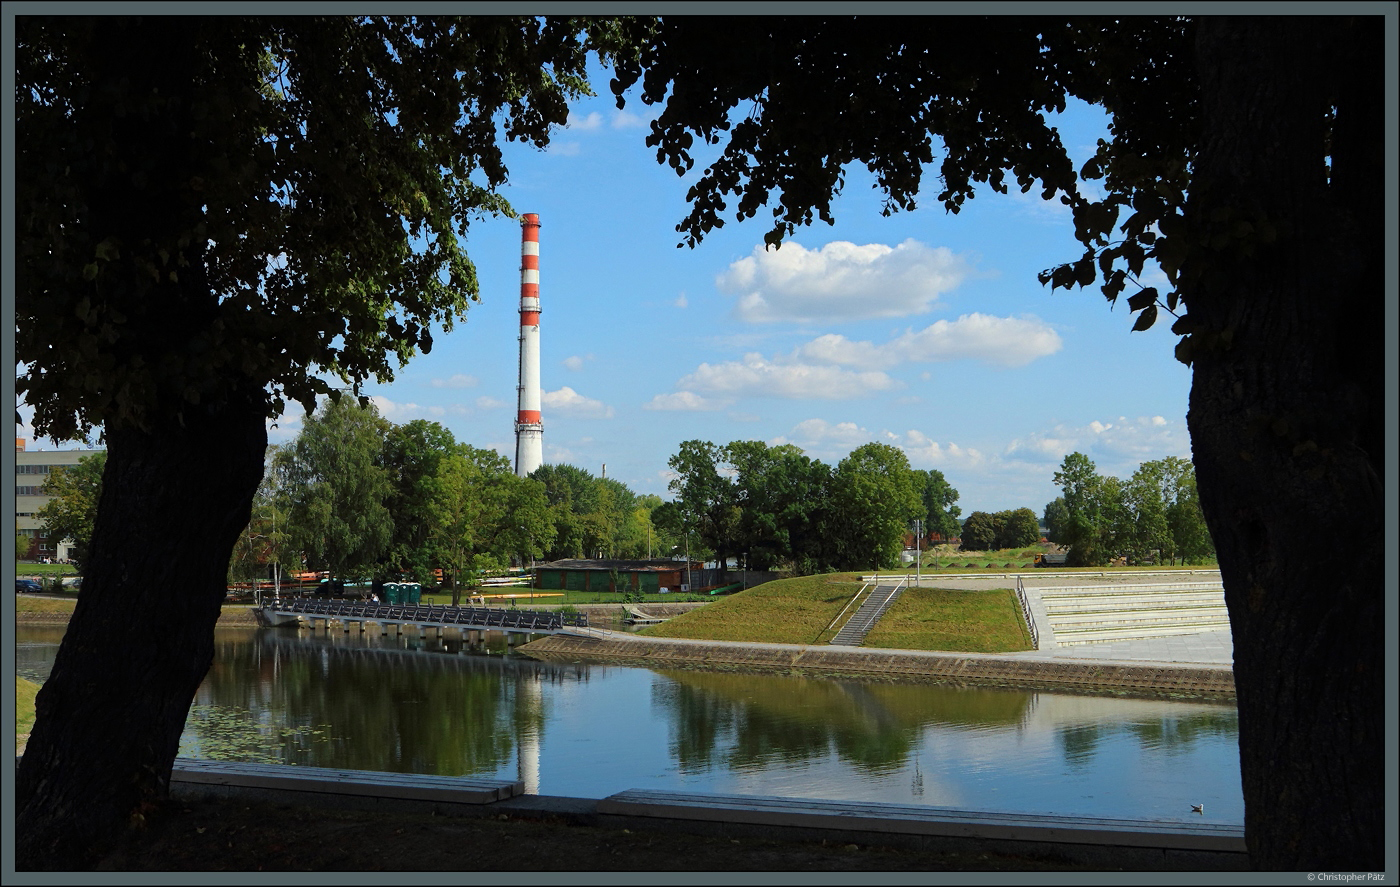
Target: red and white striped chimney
<point>529,429</point>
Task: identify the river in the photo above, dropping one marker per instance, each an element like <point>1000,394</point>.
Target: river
<point>402,704</point>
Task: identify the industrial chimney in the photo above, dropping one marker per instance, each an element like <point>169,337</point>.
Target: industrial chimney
<point>529,430</point>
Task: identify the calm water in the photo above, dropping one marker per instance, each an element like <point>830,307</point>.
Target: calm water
<point>405,705</point>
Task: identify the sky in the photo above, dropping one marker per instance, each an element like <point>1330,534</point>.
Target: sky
<point>924,330</point>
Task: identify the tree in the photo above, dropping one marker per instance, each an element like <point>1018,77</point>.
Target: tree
<point>873,501</point>
<point>1247,155</point>
<point>411,455</point>
<point>1056,521</point>
<point>1019,528</point>
<point>335,489</point>
<point>938,497</point>
<point>1088,531</point>
<point>979,532</point>
<point>217,215</point>
<point>707,499</point>
<point>263,544</point>
<point>72,510</point>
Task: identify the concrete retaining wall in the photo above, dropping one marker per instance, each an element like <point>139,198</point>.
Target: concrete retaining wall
<point>1086,676</point>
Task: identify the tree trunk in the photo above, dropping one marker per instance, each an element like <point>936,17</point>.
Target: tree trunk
<point>140,641</point>
<point>1285,418</point>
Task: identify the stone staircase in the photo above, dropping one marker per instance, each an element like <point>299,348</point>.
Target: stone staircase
<point>853,633</point>
<point>1091,614</point>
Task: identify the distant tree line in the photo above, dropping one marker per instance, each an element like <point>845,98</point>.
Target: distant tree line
<point>359,496</point>
<point>1153,517</point>
<point>778,508</point>
<point>1004,529</point>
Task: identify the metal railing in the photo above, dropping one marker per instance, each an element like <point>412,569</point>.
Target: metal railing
<point>1026,612</point>
<point>424,614</point>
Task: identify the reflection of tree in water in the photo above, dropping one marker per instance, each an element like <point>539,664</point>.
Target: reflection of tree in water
<point>1079,742</point>
<point>1172,734</point>
<point>742,721</point>
<point>1177,735</point>
<point>370,705</point>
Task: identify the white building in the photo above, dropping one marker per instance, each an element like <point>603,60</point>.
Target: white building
<point>32,467</point>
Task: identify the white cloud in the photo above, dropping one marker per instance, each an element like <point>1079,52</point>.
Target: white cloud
<point>460,380</point>
<point>628,120</point>
<point>1117,448</point>
<point>564,149</point>
<point>1003,341</point>
<point>575,362</point>
<point>569,402</point>
<point>590,121</point>
<point>683,400</point>
<point>682,301</point>
<point>925,452</point>
<point>399,413</point>
<point>485,402</point>
<point>755,376</point>
<point>821,435</point>
<point>842,280</point>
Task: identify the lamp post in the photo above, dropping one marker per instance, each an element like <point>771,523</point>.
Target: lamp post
<point>918,554</point>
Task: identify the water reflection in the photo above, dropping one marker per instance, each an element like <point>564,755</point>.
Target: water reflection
<point>405,704</point>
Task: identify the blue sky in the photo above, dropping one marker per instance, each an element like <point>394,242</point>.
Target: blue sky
<point>923,330</point>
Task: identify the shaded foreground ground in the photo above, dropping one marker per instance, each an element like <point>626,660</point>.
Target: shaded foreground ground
<point>234,835</point>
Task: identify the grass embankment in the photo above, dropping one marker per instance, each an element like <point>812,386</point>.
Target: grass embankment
<point>952,621</point>
<point>27,570</point>
<point>802,611</point>
<point>33,606</point>
<point>25,691</point>
<point>949,559</point>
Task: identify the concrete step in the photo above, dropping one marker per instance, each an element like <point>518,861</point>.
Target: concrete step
<point>1135,618</point>
<point>1070,638</point>
<point>1133,602</point>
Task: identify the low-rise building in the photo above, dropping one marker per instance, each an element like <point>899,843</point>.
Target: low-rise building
<point>32,468</point>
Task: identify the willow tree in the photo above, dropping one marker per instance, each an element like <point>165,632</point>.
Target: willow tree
<point>216,216</point>
<point>1246,160</point>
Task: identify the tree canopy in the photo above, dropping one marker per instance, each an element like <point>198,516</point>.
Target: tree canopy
<point>280,199</point>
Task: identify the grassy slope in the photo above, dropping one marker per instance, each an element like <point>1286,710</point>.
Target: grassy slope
<point>25,692</point>
<point>953,621</point>
<point>29,604</point>
<point>798,611</point>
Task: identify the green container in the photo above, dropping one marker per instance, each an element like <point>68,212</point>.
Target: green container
<point>410,593</point>
<point>391,593</point>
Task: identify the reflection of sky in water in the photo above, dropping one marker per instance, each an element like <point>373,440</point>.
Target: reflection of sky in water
<point>393,704</point>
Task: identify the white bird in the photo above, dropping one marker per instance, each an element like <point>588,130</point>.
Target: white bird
<point>1198,808</point>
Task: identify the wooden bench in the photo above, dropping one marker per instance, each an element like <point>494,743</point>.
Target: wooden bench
<point>194,774</point>
<point>1181,838</point>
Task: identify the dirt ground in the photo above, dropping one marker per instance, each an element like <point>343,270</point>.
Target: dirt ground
<point>232,835</point>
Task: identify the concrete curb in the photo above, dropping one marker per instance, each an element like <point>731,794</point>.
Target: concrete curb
<point>1029,672</point>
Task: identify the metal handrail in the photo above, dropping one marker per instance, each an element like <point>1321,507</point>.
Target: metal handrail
<point>1026,611</point>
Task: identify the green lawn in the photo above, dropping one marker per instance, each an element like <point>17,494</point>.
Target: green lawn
<point>25,691</point>
<point>46,570</point>
<point>800,611</point>
<point>28,604</point>
<point>953,621</point>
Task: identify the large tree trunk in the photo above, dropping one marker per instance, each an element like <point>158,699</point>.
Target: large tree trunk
<point>140,641</point>
<point>1285,419</point>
